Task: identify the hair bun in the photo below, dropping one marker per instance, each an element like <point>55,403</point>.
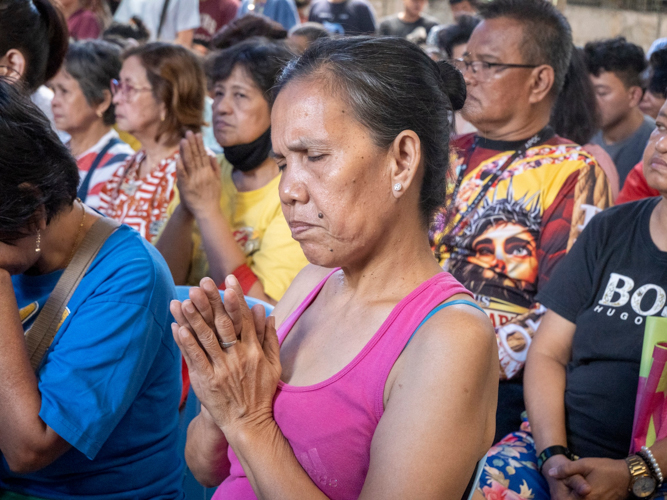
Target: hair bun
<point>452,84</point>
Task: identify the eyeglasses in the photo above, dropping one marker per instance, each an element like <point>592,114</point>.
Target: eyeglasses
<point>125,89</point>
<point>484,70</point>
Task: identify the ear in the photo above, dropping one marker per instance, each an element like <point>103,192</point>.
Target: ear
<point>405,156</point>
<point>102,107</point>
<point>541,83</point>
<point>14,60</point>
<point>635,95</point>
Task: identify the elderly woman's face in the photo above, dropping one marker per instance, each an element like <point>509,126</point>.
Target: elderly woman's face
<point>240,112</point>
<point>71,111</point>
<point>137,110</point>
<point>331,166</point>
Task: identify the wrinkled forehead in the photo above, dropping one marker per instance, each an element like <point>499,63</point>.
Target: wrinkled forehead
<point>498,39</point>
<point>308,109</point>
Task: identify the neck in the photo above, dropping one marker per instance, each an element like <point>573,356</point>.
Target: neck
<point>658,224</point>
<point>257,177</point>
<point>515,131</point>
<point>155,151</point>
<point>62,237</point>
<point>70,9</point>
<point>83,140</point>
<point>623,128</point>
<point>406,17</point>
<point>396,266</point>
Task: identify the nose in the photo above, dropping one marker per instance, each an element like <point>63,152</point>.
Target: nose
<point>116,98</point>
<point>661,144</point>
<point>292,187</point>
<point>223,105</point>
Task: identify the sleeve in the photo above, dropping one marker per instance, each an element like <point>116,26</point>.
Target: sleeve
<point>635,186</point>
<point>187,16</point>
<point>96,370</point>
<point>279,259</point>
<point>367,24</point>
<point>286,14</point>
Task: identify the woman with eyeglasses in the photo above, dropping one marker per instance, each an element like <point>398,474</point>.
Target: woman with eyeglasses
<point>82,107</point>
<point>158,97</point>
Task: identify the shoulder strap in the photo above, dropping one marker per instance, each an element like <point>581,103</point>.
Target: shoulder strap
<point>163,16</point>
<point>442,306</point>
<point>39,337</point>
<point>83,188</point>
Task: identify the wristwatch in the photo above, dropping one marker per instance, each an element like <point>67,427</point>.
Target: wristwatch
<point>551,451</point>
<point>642,483</point>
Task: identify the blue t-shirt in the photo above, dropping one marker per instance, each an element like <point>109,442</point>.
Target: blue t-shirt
<point>110,382</point>
<point>280,11</point>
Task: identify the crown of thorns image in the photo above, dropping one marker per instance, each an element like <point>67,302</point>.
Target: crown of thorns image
<point>524,211</point>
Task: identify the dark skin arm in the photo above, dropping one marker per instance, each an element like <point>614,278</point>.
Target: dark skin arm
<point>26,442</point>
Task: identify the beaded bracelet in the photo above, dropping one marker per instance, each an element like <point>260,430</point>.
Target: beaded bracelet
<point>652,463</point>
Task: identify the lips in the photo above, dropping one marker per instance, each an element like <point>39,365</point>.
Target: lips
<point>299,227</point>
<point>657,162</point>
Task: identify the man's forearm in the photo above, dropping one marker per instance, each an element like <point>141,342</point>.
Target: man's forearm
<point>206,452</point>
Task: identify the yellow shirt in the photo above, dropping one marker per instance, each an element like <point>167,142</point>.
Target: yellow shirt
<point>261,230</point>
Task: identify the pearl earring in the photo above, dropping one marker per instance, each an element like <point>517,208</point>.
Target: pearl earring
<point>38,243</point>
<point>398,186</point>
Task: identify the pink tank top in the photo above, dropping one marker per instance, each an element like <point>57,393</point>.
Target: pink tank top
<point>330,425</point>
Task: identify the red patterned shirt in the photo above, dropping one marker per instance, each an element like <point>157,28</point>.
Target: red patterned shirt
<point>141,203</point>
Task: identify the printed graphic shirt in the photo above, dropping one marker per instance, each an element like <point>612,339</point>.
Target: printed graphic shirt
<point>261,231</point>
<point>611,281</point>
<point>114,157</point>
<point>140,203</point>
<point>507,247</point>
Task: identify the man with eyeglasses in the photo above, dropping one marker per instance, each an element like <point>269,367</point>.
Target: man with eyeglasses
<point>522,194</point>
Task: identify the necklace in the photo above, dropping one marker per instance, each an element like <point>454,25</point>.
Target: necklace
<point>78,233</point>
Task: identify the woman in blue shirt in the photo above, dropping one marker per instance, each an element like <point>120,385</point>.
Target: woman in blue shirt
<point>99,416</point>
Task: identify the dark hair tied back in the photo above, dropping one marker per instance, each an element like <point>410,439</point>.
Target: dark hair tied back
<point>452,84</point>
<point>391,85</point>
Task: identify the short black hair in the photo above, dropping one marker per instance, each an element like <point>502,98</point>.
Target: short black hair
<point>547,36</point>
<point>36,169</point>
<point>471,2</point>
<point>93,64</point>
<point>616,55</point>
<point>658,81</point>
<point>38,30</point>
<point>261,58</point>
<point>311,31</point>
<point>245,27</point>
<point>119,33</point>
<point>392,86</point>
<point>456,34</point>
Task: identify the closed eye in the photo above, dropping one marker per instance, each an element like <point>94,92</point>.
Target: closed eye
<point>316,158</point>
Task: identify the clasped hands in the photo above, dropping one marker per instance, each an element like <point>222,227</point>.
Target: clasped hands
<point>589,478</point>
<point>235,385</point>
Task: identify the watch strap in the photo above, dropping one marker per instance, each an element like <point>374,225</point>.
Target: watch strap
<point>551,451</point>
<point>638,468</point>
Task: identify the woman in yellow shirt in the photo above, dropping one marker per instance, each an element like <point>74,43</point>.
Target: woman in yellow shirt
<point>226,217</point>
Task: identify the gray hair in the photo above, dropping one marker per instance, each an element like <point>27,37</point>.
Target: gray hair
<point>93,64</point>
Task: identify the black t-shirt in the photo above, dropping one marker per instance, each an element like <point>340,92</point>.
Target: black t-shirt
<point>393,26</point>
<point>352,17</point>
<point>611,280</point>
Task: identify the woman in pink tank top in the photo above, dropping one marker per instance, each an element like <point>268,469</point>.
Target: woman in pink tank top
<point>381,381</point>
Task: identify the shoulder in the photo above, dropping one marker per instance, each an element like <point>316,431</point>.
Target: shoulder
<point>128,266</point>
<point>307,279</point>
<point>359,5</point>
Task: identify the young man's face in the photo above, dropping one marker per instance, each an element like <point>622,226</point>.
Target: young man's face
<point>615,100</point>
<point>414,7</point>
<point>462,8</point>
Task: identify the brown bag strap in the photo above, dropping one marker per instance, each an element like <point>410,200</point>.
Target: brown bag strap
<point>38,339</point>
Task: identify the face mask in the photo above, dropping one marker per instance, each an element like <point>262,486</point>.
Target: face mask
<point>245,157</point>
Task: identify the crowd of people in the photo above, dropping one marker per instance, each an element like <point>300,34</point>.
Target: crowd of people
<point>462,229</point>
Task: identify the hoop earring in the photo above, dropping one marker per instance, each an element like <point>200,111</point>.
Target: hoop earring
<point>38,243</point>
